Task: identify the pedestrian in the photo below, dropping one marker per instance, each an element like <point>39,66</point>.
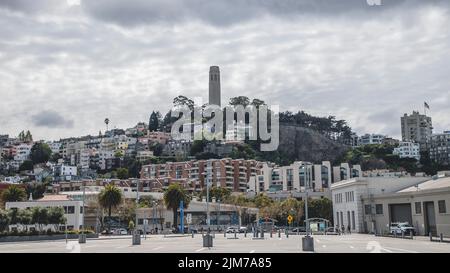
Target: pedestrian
<point>343,229</point>
<point>349,229</point>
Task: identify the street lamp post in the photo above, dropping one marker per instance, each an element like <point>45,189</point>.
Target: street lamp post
<point>307,241</point>
<point>82,236</point>
<point>136,237</point>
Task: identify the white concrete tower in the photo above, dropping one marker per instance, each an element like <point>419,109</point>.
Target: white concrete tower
<point>214,85</point>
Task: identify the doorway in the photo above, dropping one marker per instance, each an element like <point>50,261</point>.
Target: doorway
<point>430,218</point>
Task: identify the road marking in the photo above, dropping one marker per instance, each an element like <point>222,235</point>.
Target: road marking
<point>324,246</point>
<point>253,251</point>
<point>201,249</point>
<point>317,240</point>
<point>352,247</point>
<point>401,249</point>
<point>156,248</point>
<point>120,247</point>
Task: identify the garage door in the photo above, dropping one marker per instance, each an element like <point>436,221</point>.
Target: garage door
<point>400,213</point>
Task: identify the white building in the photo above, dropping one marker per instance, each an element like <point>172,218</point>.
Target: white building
<point>73,209</point>
<point>54,146</point>
<point>408,149</point>
<point>371,139</point>
<point>351,196</point>
<point>23,151</point>
<point>300,175</point>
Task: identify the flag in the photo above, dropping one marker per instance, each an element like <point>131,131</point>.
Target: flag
<point>425,104</point>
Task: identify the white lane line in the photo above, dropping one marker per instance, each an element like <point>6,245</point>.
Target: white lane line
<point>253,251</point>
<point>156,248</point>
<point>352,247</point>
<point>201,249</point>
<point>400,249</point>
<point>120,247</point>
<point>324,246</point>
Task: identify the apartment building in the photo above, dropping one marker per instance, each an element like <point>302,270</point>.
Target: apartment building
<point>300,176</point>
<point>439,145</point>
<point>408,149</point>
<point>229,173</point>
<point>416,128</point>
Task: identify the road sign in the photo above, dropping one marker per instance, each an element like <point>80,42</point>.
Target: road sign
<point>189,218</point>
<point>289,218</point>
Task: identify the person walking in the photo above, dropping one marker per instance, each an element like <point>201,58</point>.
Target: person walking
<point>349,229</point>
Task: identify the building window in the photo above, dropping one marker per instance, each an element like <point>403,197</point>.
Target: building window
<point>379,208</point>
<point>441,205</point>
<point>70,209</point>
<point>418,208</point>
<point>367,209</point>
<point>81,209</point>
<point>353,220</point>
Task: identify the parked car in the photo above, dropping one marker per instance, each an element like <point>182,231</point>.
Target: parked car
<point>398,228</point>
<point>232,230</point>
<point>120,231</point>
<point>242,229</point>
<point>299,229</point>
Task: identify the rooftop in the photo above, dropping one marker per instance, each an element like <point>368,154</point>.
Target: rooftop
<point>433,184</point>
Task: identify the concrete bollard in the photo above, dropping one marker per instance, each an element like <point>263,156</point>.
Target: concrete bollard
<point>192,234</point>
<point>411,234</point>
<point>225,234</point>
<point>403,234</point>
<point>441,237</point>
<point>235,234</point>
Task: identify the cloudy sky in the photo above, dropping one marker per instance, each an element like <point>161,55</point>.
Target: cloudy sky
<point>67,65</point>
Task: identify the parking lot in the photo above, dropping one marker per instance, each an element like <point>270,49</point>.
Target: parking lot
<point>354,243</point>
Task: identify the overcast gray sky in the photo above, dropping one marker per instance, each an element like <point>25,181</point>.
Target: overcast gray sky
<point>67,65</point>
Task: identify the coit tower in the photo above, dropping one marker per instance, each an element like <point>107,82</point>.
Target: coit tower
<point>214,85</point>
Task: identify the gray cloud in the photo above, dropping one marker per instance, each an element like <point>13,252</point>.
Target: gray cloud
<point>77,63</point>
<point>51,119</point>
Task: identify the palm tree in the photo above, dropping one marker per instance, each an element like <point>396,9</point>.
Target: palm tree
<point>110,197</point>
<point>172,198</point>
<point>14,193</point>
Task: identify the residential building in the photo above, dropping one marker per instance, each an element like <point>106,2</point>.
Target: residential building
<point>193,175</point>
<point>371,139</point>
<point>408,149</point>
<point>23,151</point>
<point>416,128</point>
<point>439,147</point>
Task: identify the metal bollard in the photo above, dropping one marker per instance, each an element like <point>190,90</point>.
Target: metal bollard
<point>441,237</point>
<point>192,234</point>
<point>431,237</point>
<point>411,234</point>
<point>235,234</point>
<point>287,233</point>
<point>279,233</point>
<point>245,234</point>
<point>271,234</point>
<point>403,234</point>
<point>225,234</point>
<point>262,233</point>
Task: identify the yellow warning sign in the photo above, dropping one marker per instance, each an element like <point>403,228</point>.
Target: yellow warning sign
<point>289,218</point>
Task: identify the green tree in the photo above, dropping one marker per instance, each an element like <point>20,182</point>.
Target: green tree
<point>27,165</point>
<point>197,147</point>
<point>131,225</point>
<point>36,189</point>
<point>110,197</point>
<point>172,198</point>
<point>4,220</point>
<point>183,101</point>
<point>14,193</point>
<point>24,217</point>
<point>39,217</point>
<point>261,200</point>
<point>153,124</point>
<point>146,201</point>
<point>240,100</point>
<point>40,153</point>
<point>56,217</point>
<point>118,154</point>
<point>122,173</point>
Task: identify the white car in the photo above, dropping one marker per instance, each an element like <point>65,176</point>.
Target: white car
<point>121,231</point>
<point>398,228</point>
<point>232,230</point>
